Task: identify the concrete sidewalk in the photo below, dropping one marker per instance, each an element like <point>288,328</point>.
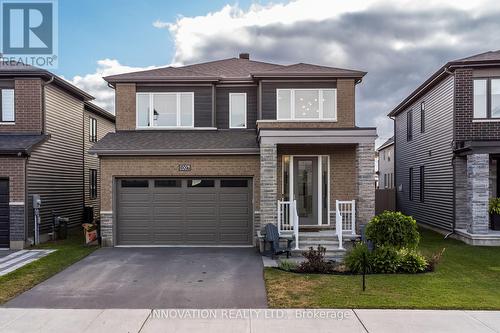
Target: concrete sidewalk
<point>241,320</point>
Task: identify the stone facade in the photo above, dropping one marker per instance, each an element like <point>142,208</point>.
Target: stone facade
<point>461,206</point>
<point>17,225</point>
<point>365,183</point>
<point>107,229</point>
<point>478,193</point>
<point>269,184</point>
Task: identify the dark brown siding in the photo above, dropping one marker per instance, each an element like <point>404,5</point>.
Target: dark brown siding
<point>202,101</point>
<point>91,161</point>
<point>55,168</point>
<point>269,93</point>
<point>222,105</point>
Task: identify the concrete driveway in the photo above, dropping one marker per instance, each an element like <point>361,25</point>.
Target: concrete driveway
<point>145,278</point>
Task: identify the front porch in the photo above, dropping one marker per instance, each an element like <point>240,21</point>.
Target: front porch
<point>317,186</point>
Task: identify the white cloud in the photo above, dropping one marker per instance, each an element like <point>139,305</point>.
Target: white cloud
<point>97,87</point>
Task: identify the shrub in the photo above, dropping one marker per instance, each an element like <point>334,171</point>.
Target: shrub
<point>385,259</point>
<point>410,261</point>
<point>315,262</point>
<point>287,265</point>
<point>393,229</point>
<point>359,258</point>
<point>434,260</point>
<point>494,206</point>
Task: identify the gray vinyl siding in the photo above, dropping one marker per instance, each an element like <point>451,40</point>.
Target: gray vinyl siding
<point>202,100</point>
<point>269,93</point>
<point>432,149</point>
<point>222,105</point>
<point>91,161</point>
<point>55,168</point>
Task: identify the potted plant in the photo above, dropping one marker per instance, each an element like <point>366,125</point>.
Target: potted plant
<point>495,213</point>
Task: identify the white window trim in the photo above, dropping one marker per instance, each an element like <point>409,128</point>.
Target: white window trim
<point>292,104</point>
<point>151,116</point>
<point>9,122</point>
<point>230,111</point>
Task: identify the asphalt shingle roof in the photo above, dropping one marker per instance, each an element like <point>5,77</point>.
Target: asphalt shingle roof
<point>19,143</point>
<point>174,142</point>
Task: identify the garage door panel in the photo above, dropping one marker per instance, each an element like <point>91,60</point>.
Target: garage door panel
<point>181,215</point>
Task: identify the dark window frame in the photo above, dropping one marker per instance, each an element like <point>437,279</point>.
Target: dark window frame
<point>409,125</point>
<point>422,117</point>
<point>410,184</point>
<point>489,96</point>
<point>422,183</point>
<point>1,105</point>
<point>204,183</point>
<point>93,129</point>
<point>93,183</point>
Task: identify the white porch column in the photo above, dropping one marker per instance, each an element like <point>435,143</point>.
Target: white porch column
<point>268,184</point>
<point>365,169</point>
<point>478,173</point>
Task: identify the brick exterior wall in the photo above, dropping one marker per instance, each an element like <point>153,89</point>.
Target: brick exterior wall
<point>125,106</point>
<point>14,168</point>
<point>28,107</point>
<point>346,103</point>
<point>465,129</point>
<point>206,166</point>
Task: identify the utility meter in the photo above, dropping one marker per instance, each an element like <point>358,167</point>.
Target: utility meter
<point>37,202</point>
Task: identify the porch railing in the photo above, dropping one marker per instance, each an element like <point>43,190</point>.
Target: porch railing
<point>345,213</point>
<point>288,219</point>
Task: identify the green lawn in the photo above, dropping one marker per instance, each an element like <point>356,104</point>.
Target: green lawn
<point>467,278</point>
<point>69,251</point>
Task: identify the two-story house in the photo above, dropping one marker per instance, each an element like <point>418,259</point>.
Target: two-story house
<point>447,139</point>
<point>386,164</point>
<point>47,126</point>
<point>209,153</point>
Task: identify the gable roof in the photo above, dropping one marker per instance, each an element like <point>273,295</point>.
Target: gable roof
<point>490,58</point>
<point>386,144</point>
<point>232,69</point>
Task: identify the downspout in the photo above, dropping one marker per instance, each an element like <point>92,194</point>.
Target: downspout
<point>453,164</point>
<point>395,165</point>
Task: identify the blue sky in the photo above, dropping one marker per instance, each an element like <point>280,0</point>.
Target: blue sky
<point>91,30</point>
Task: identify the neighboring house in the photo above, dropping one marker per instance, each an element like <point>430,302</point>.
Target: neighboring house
<point>203,153</point>
<point>386,164</point>
<point>42,151</point>
<point>447,139</point>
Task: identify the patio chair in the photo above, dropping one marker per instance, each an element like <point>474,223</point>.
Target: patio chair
<point>273,237</point>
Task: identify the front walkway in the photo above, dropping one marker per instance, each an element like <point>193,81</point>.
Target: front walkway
<point>261,320</point>
<point>17,259</point>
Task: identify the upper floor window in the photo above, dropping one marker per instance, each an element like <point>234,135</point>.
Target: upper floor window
<point>307,104</point>
<point>92,129</point>
<point>165,110</point>
<point>409,125</point>
<point>486,98</point>
<point>93,183</point>
<point>237,110</point>
<point>388,155</point>
<point>422,117</point>
<point>7,104</point>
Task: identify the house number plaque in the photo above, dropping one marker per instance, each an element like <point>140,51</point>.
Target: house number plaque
<point>184,167</point>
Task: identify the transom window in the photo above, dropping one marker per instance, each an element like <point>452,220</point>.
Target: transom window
<point>238,110</point>
<point>165,110</point>
<point>307,104</point>
<point>486,98</point>
<point>7,113</point>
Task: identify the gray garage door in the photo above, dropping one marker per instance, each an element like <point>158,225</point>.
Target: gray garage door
<point>184,211</point>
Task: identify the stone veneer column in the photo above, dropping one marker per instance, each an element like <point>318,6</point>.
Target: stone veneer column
<point>365,182</point>
<point>268,184</point>
<point>16,219</point>
<point>107,229</point>
<point>462,216</point>
<point>478,174</point>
